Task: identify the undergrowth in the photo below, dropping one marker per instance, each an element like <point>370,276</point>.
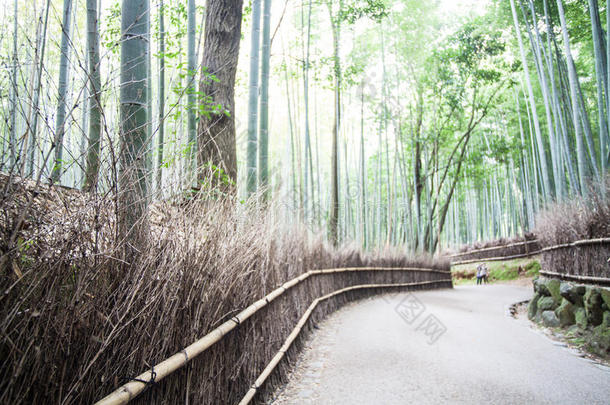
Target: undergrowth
<point>78,319</point>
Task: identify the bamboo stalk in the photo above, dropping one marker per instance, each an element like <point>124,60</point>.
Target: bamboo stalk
<point>297,329</point>
<point>130,390</point>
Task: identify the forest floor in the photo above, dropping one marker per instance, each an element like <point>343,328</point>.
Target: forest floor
<point>458,345</point>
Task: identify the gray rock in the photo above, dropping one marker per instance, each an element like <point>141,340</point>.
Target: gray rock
<point>553,286</point>
<point>570,292</point>
<point>605,293</point>
<point>599,340</point>
<point>606,319</point>
<point>532,307</point>
<point>565,313</point>
<point>541,288</point>
<point>546,304</point>
<point>550,319</point>
<point>580,317</point>
<point>593,306</point>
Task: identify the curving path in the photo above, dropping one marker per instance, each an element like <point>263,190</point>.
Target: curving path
<point>443,346</point>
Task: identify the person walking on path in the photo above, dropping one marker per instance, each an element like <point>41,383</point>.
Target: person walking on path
<point>479,274</point>
<point>484,273</point>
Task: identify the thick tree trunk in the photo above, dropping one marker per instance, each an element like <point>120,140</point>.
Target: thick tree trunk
<point>133,197</point>
<point>216,132</point>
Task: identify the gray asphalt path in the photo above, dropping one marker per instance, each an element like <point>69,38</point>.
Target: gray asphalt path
<point>445,346</point>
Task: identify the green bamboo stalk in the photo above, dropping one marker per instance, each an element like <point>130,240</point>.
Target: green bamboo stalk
<point>64,68</point>
<point>95,108</point>
<point>263,152</point>
<point>253,97</point>
<point>134,100</point>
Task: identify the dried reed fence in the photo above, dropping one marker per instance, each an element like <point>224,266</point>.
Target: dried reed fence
<point>496,253</point>
<point>575,238</point>
<point>440,278</point>
<point>77,321</point>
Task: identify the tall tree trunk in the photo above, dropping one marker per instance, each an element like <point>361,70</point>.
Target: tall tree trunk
<point>14,93</point>
<point>192,77</point>
<point>95,108</point>
<point>580,150</point>
<point>253,96</point>
<point>133,197</point>
<point>216,132</point>
<point>63,89</point>
<point>333,222</point>
<point>263,150</point>
<point>33,128</point>
<point>543,161</point>
<point>601,79</point>
<point>161,138</point>
<point>363,175</point>
<point>544,87</point>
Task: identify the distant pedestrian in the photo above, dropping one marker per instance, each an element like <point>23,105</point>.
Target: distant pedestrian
<point>479,274</point>
<point>485,273</point>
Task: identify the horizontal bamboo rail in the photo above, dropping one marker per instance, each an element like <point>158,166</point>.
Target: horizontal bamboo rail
<point>578,243</point>
<point>496,259</point>
<point>130,390</point>
<point>574,277</point>
<point>585,242</point>
<point>527,242</point>
<point>299,327</point>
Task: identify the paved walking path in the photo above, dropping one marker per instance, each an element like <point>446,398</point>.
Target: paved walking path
<point>444,346</point>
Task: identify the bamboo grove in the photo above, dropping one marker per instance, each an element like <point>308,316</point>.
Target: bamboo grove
<point>384,122</point>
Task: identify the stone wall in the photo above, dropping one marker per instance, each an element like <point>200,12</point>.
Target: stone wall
<point>583,310</point>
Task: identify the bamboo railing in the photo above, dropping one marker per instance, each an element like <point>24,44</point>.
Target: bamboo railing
<point>470,252</point>
<point>158,372</point>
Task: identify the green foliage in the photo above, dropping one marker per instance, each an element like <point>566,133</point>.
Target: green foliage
<point>357,9</point>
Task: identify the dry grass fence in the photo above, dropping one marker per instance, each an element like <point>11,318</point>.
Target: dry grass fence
<point>77,321</point>
<point>497,251</point>
<point>575,236</point>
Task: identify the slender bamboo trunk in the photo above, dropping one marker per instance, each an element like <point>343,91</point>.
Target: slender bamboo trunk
<point>14,93</point>
<point>191,90</point>
<point>263,152</point>
<point>543,160</point>
<point>64,68</point>
<point>33,128</point>
<point>601,79</point>
<point>580,153</point>
<point>253,97</point>
<point>334,198</point>
<point>161,101</point>
<point>95,107</point>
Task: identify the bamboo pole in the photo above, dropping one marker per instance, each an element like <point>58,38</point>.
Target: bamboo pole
<point>573,277</point>
<point>493,248</point>
<point>297,329</point>
<point>585,242</point>
<point>130,390</point>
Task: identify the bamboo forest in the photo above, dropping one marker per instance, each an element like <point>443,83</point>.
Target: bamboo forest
<point>164,164</point>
